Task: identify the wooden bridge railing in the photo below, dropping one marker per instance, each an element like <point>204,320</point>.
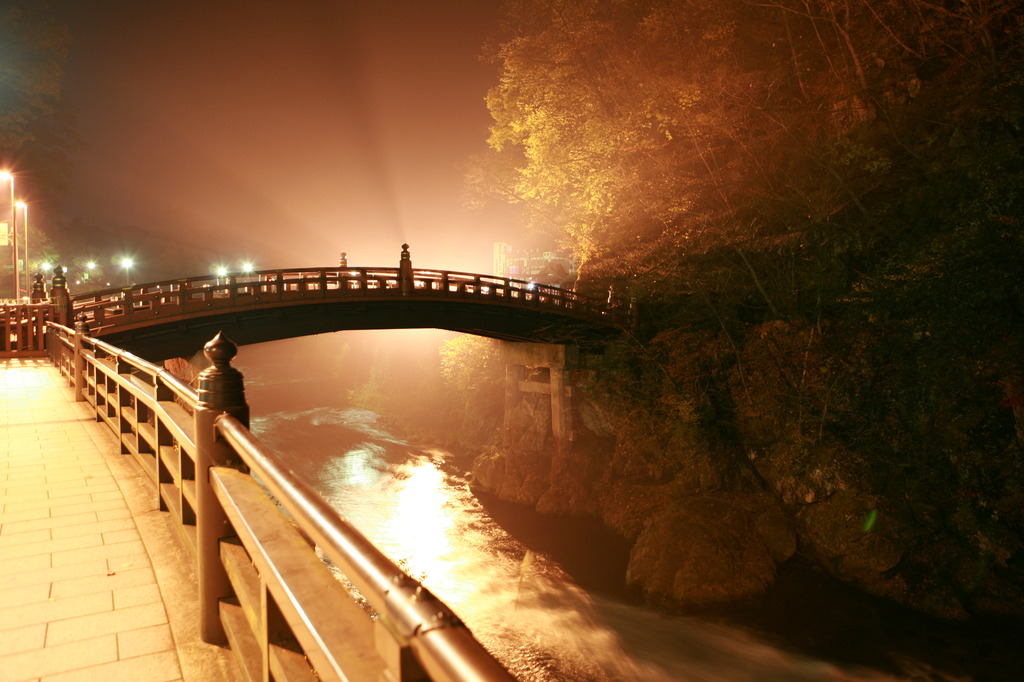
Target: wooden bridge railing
<point>110,308</point>
<point>263,588</point>
<point>23,331</point>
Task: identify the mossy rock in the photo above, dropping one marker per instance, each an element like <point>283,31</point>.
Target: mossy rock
<point>701,552</point>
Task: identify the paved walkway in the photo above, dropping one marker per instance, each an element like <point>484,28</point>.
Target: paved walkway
<point>94,584</point>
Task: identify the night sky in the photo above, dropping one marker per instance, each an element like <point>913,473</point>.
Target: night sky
<point>285,131</point>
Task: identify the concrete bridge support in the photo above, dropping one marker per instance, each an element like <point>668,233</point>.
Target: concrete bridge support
<point>524,373</point>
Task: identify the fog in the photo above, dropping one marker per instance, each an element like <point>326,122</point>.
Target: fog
<point>284,132</point>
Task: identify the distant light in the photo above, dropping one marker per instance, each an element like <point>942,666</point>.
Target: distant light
<point>247,267</point>
<point>126,263</point>
<point>221,271</point>
<point>22,205</point>
<point>45,267</point>
<point>531,286</point>
<point>90,265</point>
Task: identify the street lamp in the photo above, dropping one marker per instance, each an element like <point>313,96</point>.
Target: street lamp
<point>24,220</point>
<point>7,175</point>
<point>127,264</point>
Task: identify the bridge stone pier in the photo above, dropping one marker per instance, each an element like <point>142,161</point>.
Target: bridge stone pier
<point>541,368</point>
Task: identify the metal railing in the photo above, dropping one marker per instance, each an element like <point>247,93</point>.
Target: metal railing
<point>263,588</point>
<point>112,308</point>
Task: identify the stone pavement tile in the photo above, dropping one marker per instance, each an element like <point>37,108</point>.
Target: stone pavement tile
<point>101,495</point>
<point>96,567</point>
<point>82,487</point>
<point>17,640</point>
<point>107,622</point>
<point>101,581</point>
<point>12,539</point>
<point>102,527</point>
<point>137,595</point>
<point>111,551</point>
<point>59,461</point>
<point>32,563</point>
<point>30,515</point>
<point>57,609</point>
<point>144,641</point>
<point>20,494</point>
<point>75,655</point>
<point>122,535</point>
<point>76,472</point>
<point>48,503</point>
<point>113,513</point>
<point>102,505</point>
<point>121,563</point>
<point>158,667</point>
<point>52,546</point>
<point>45,522</point>
<point>25,594</point>
<point>26,483</point>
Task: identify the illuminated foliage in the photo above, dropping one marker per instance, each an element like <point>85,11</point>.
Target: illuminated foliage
<point>646,130</point>
<point>819,204</point>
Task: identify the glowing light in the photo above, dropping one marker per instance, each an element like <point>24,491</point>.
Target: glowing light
<point>869,522</point>
<point>220,271</point>
<point>420,524</point>
<point>247,267</point>
<point>90,265</point>
<point>127,264</point>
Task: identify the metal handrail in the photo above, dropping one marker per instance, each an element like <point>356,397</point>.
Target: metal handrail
<point>125,391</point>
<point>399,600</point>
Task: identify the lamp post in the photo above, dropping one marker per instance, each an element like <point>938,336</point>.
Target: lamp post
<point>24,221</point>
<point>7,175</point>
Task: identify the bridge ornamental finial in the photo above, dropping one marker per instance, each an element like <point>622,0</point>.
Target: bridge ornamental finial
<point>59,281</point>
<point>82,324</point>
<point>405,283</point>
<point>220,385</point>
<point>220,350</point>
<point>38,288</point>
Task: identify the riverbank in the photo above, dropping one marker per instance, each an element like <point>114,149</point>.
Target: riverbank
<point>805,611</point>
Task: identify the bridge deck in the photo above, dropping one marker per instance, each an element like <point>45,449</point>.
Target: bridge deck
<point>93,582</point>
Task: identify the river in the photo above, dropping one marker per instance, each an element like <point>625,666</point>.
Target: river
<point>488,561</point>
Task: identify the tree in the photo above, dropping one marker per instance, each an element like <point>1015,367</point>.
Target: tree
<point>33,49</point>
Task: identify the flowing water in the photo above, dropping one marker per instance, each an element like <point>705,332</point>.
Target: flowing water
<point>415,504</point>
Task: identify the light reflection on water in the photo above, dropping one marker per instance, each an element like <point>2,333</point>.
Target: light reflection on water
<point>521,606</point>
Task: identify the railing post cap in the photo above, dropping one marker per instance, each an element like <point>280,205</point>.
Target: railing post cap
<point>82,323</point>
<point>220,385</point>
<point>220,350</point>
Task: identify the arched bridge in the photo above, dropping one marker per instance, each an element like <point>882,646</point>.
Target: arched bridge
<point>175,317</point>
